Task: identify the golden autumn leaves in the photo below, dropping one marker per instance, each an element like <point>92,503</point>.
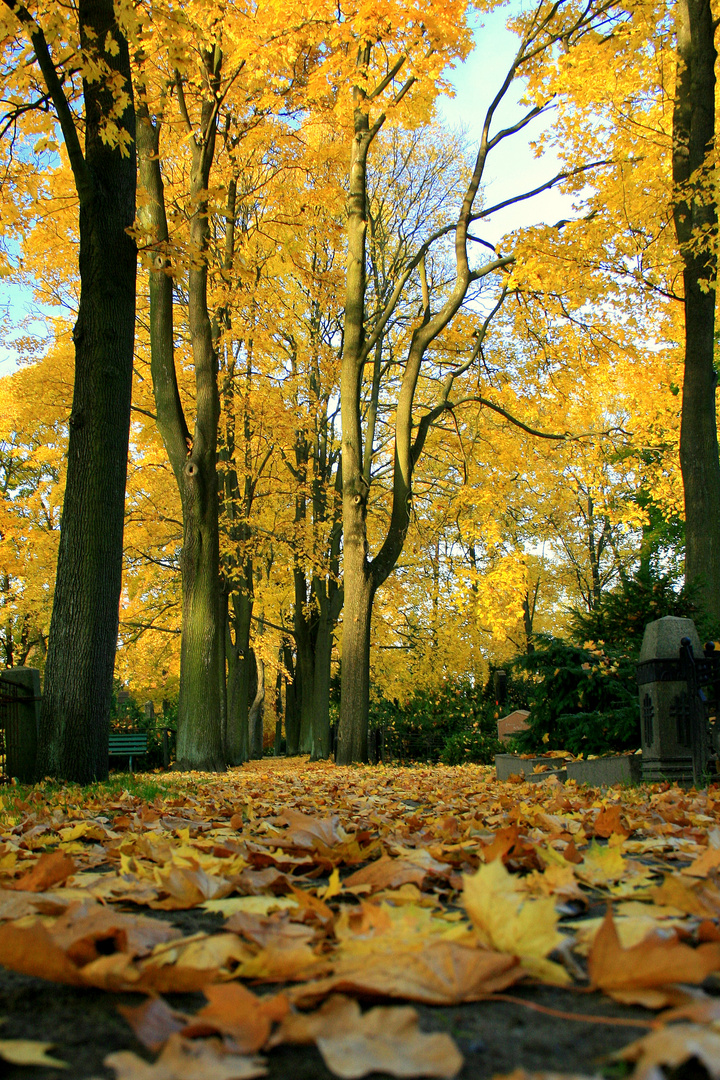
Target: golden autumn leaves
<point>431,885</point>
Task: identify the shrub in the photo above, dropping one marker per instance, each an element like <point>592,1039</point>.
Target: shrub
<point>419,729</point>
<point>474,745</point>
<point>581,698</point>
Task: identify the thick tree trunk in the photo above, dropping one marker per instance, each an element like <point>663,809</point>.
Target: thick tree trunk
<point>75,713</point>
<point>695,211</point>
<point>200,737</point>
<point>355,674</point>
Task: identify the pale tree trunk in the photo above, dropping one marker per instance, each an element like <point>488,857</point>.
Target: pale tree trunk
<point>75,712</point>
<point>695,210</point>
<point>257,709</point>
<point>292,718</point>
<point>362,576</point>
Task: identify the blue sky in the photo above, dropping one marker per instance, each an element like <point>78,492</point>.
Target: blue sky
<point>512,167</point>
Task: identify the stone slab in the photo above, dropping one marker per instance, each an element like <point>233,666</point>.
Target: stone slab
<point>606,771</point>
<point>507,765</point>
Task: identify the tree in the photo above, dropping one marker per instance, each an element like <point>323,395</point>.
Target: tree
<point>377,74</point>
<point>646,251</point>
<point>74,720</point>
<point>695,219</point>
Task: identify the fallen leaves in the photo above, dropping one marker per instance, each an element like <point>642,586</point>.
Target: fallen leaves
<point>639,974</point>
<point>474,890</point>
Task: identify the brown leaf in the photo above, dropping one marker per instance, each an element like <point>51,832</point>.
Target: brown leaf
<point>31,950</point>
<point>79,930</point>
<point>678,892</point>
<point>387,1039</point>
<point>275,930</point>
<point>672,1046</point>
<point>235,1011</point>
<point>704,864</point>
<point>444,973</point>
<point>655,962</point>
<point>184,888</point>
<point>52,868</point>
<point>386,873</point>
<point>571,854</point>
<point>304,1028</point>
<point>153,1022</point>
<point>608,823</point>
<point>184,1059</point>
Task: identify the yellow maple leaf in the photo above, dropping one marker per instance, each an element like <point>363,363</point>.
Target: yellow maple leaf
<point>506,920</point>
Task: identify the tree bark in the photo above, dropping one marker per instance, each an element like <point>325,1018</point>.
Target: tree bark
<point>292,718</point>
<point>695,211</point>
<point>257,710</point>
<point>200,742</point>
<point>240,659</point>
<point>75,712</point>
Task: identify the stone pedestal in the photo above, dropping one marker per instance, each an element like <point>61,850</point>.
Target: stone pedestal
<point>666,711</point>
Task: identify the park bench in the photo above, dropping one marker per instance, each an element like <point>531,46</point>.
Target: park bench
<point>128,744</point>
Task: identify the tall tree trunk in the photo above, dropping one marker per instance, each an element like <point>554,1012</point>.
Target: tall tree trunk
<point>305,662</point>
<point>75,712</point>
<point>359,593</point>
<point>292,713</point>
<point>200,736</point>
<point>355,672</point>
<point>237,745</point>
<point>695,211</point>
<point>321,689</point>
<point>257,709</point>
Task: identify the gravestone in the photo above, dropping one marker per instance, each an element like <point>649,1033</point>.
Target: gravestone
<point>21,720</point>
<point>666,709</point>
<point>513,723</point>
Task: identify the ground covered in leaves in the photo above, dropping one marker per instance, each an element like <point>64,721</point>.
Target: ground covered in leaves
<point>301,920</point>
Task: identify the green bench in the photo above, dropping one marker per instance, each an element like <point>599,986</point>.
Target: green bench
<point>128,745</point>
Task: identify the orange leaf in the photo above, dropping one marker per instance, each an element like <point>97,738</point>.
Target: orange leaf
<point>655,962</point>
<point>237,1012</point>
<point>52,868</point>
<point>608,822</point>
<point>444,973</point>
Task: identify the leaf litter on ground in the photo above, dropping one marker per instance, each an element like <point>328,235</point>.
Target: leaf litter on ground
<point>433,884</point>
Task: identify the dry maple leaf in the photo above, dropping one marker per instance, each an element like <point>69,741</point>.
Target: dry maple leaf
<point>153,1022</point>
<point>387,1039</point>
<point>186,1059</point>
<point>385,873</point>
<point>672,1046</point>
<point>31,950</point>
<point>657,961</point>
<point>608,823</point>
<point>235,1011</point>
<point>52,868</point>
<point>506,920</point>
<point>443,973</point>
